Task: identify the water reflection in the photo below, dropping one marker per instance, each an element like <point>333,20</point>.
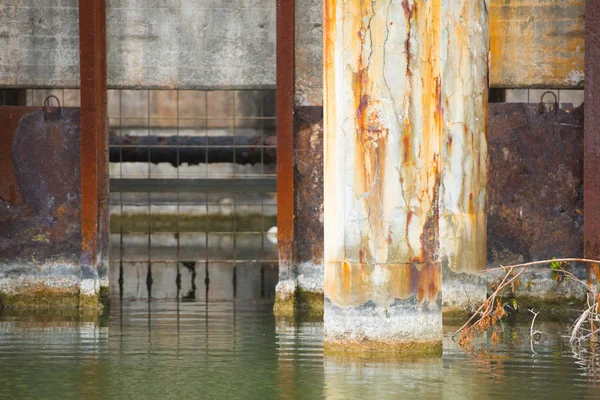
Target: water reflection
<point>225,343</point>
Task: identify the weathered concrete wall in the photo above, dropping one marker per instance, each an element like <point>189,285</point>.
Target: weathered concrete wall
<point>537,43</point>
<point>405,166</point>
<point>151,43</point>
<point>309,53</point>
<point>40,236</point>
<point>181,43</point>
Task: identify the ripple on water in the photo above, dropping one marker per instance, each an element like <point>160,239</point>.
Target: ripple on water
<point>226,349</point>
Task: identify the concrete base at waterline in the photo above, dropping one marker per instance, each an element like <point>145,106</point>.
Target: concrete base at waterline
<point>301,293</point>
<point>403,329</point>
<point>54,283</point>
<point>463,292</point>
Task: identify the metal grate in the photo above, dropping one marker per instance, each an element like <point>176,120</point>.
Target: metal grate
<point>193,181</point>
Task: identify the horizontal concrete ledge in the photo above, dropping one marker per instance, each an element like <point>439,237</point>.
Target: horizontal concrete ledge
<point>52,299</point>
<point>261,185</point>
<point>368,349</point>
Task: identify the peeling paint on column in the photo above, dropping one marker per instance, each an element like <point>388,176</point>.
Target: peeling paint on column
<point>395,202</point>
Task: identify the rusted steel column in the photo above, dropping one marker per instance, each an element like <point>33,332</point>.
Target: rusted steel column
<point>405,162</point>
<point>285,155</point>
<point>591,158</point>
<point>94,144</point>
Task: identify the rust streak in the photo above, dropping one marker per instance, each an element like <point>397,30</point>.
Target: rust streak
<point>94,132</point>
<point>285,130</point>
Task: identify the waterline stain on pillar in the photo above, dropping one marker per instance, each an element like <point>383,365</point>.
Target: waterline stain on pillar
<point>394,188</point>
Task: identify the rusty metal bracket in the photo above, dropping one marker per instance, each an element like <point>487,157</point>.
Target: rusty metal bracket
<point>47,106</point>
<point>542,106</point>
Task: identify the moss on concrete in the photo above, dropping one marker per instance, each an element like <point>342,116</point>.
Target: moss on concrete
<point>104,296</point>
<point>455,314</point>
<point>370,349</point>
<point>284,307</point>
<point>40,298</point>
<point>559,309</point>
<point>310,305</point>
<point>43,297</point>
<point>302,304</point>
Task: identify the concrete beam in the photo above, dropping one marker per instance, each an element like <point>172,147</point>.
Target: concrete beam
<point>537,43</point>
<point>190,45</point>
<point>405,167</point>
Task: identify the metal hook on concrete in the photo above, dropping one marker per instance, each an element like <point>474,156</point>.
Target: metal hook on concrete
<point>47,106</point>
<point>542,107</point>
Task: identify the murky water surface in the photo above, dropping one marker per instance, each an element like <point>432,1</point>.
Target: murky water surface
<point>234,349</point>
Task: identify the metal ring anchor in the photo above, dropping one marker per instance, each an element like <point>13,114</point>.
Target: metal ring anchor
<point>542,107</point>
<point>47,106</point>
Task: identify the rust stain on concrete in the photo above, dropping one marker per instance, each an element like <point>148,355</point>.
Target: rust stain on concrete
<point>406,151</point>
<point>537,44</point>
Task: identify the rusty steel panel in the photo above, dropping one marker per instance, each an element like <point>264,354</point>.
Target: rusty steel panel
<point>405,161</point>
<point>285,135</point>
<point>537,43</point>
<point>40,237</point>
<point>535,186</point>
<point>592,131</point>
<point>10,117</point>
<point>308,185</point>
<point>94,137</point>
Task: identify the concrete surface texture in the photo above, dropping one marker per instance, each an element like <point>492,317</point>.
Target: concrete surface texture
<point>405,165</point>
<point>151,43</point>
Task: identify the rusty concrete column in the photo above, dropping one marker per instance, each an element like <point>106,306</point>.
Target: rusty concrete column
<point>464,155</point>
<point>300,101</point>
<point>405,166</point>
<point>94,145</point>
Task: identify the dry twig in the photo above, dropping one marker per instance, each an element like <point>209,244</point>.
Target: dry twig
<point>491,311</point>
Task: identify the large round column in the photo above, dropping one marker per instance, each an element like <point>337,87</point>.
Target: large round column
<point>401,201</point>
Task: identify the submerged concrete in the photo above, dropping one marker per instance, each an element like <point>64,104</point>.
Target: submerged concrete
<point>405,168</point>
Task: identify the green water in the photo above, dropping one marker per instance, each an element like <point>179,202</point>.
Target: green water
<point>236,350</point>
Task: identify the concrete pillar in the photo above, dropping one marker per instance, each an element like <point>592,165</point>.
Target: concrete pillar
<point>405,166</point>
<point>300,287</point>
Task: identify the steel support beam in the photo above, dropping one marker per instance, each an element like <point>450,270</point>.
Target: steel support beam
<point>94,139</point>
<point>285,144</point>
